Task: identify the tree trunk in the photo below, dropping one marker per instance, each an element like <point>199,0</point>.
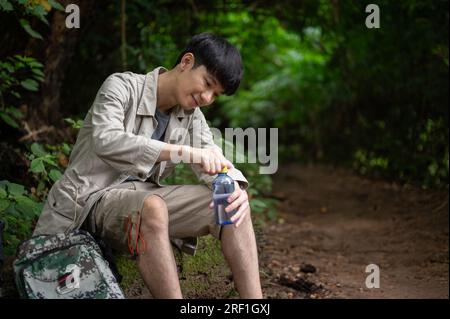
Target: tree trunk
<point>123,34</point>
<point>58,51</point>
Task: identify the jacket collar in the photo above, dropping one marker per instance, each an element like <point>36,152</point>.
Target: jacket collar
<point>147,105</point>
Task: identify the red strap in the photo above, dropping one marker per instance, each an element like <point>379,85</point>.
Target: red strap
<point>135,250</point>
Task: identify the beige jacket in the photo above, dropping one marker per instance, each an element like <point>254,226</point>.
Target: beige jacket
<point>115,143</point>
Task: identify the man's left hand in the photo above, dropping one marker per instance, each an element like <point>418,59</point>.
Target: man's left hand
<point>237,200</point>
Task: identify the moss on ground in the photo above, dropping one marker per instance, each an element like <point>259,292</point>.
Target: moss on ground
<point>205,275</point>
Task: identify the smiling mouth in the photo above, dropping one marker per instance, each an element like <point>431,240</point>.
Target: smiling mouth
<point>195,100</point>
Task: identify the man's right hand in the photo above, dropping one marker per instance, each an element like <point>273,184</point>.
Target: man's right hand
<point>211,160</point>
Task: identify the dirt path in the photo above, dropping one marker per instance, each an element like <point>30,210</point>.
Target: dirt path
<point>333,224</point>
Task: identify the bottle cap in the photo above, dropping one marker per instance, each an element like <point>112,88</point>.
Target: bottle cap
<point>224,170</point>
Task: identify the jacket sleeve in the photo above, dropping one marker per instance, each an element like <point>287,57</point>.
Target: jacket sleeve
<point>124,151</point>
<point>200,131</point>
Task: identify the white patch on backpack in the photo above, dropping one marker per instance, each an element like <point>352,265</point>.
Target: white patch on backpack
<point>70,280</point>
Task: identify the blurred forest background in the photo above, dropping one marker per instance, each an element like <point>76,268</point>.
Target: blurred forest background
<point>372,100</point>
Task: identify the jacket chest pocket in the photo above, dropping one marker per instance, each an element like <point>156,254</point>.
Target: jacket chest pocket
<point>144,125</point>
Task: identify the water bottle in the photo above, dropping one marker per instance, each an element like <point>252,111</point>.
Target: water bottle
<point>223,186</point>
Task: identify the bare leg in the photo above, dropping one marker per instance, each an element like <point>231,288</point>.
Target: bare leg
<point>239,249</point>
<point>157,264</point>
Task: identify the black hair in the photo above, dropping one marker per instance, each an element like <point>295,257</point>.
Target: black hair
<point>220,58</point>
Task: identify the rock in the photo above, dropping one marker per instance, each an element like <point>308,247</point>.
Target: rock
<point>300,284</point>
<point>308,268</point>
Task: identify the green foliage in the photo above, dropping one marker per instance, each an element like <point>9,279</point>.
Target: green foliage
<point>182,175</point>
<point>312,69</point>
<point>154,34</point>
<point>19,210</point>
<point>17,74</point>
<point>395,123</point>
<point>56,5</point>
<point>433,171</point>
<point>345,94</point>
<point>288,86</point>
<point>154,48</point>
<point>24,9</point>
<point>262,206</point>
<point>46,165</point>
<point>76,124</point>
<point>26,26</point>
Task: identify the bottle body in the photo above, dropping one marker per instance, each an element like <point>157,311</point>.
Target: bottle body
<point>223,187</point>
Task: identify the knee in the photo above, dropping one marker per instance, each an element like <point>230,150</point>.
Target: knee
<point>155,217</point>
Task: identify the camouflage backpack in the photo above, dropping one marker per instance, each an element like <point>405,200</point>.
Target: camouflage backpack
<point>64,266</point>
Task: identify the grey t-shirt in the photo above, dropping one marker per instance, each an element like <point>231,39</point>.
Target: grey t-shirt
<point>163,121</point>
<point>158,134</point>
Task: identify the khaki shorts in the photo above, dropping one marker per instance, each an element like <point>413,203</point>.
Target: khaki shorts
<point>116,216</point>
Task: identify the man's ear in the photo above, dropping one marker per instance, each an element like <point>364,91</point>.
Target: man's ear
<point>187,61</point>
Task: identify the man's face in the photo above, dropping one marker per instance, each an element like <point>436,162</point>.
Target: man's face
<point>196,87</point>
